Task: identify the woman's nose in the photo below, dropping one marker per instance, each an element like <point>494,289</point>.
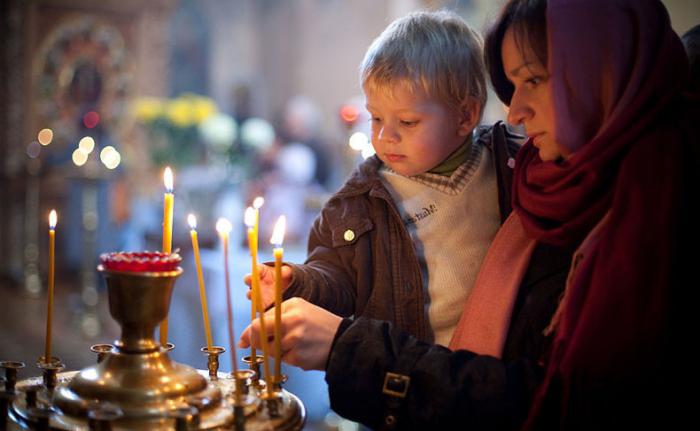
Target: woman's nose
<point>519,110</point>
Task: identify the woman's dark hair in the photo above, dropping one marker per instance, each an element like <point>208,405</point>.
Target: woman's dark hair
<point>528,18</point>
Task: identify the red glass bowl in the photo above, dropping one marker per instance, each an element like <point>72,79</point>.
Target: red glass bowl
<point>140,261</point>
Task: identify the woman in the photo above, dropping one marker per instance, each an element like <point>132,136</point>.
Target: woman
<point>609,168</point>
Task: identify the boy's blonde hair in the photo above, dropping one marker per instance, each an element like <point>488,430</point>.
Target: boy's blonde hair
<point>436,50</point>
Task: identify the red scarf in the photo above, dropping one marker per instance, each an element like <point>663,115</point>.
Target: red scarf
<point>617,69</point>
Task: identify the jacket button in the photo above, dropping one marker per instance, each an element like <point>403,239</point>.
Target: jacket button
<point>349,235</point>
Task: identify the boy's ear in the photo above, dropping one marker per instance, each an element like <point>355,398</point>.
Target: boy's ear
<point>469,113</point>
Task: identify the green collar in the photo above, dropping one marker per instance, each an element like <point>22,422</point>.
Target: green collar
<point>454,160</point>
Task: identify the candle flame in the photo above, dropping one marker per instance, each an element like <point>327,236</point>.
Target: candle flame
<point>258,202</point>
<point>53,219</point>
<point>249,217</point>
<point>168,179</point>
<point>278,231</point>
<point>192,221</point>
<point>223,226</point>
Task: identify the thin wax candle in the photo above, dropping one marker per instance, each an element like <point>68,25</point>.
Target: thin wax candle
<point>53,219</point>
<point>253,246</point>
<point>192,220</point>
<point>278,252</point>
<point>223,227</point>
<point>168,202</point>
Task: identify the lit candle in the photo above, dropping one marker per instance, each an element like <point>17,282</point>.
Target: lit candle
<point>53,219</point>
<point>192,220</point>
<point>168,211</point>
<point>167,235</point>
<point>249,218</point>
<point>223,227</point>
<point>278,251</point>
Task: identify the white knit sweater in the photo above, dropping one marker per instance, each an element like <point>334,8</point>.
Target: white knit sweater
<point>451,222</point>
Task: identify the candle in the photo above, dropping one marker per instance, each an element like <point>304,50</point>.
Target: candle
<point>53,219</point>
<point>250,217</point>
<point>223,227</point>
<point>192,220</point>
<point>278,251</point>
<point>167,235</point>
<point>257,204</point>
<point>168,211</point>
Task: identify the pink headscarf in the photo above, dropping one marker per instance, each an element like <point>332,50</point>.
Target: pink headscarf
<point>617,70</point>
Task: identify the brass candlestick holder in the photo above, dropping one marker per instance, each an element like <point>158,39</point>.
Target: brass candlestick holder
<point>136,386</point>
<point>137,376</point>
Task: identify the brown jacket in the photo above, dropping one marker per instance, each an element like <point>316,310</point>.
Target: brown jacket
<point>361,260</point>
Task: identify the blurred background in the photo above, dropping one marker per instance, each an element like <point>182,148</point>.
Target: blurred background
<point>241,98</point>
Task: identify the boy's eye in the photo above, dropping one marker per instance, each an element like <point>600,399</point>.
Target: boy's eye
<point>375,119</point>
<point>408,123</point>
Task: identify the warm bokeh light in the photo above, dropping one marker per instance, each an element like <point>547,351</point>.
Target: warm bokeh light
<point>110,157</point>
<point>45,136</point>
<point>349,113</point>
<point>278,231</point>
<point>258,202</point>
<point>87,144</point>
<point>91,119</point>
<point>249,217</point>
<point>79,157</point>
<point>168,179</point>
<point>53,219</point>
<point>192,221</point>
<point>223,226</point>
<point>358,141</point>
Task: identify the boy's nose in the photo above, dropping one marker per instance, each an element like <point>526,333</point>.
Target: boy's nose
<point>388,134</point>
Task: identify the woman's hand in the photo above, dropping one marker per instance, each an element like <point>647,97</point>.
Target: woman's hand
<point>307,333</point>
<point>267,282</point>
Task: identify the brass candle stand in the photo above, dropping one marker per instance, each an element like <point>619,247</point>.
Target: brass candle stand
<point>136,386</point>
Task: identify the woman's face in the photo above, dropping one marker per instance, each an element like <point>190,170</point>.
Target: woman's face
<point>531,104</point>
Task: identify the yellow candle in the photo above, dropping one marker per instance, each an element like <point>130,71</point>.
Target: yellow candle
<point>167,234</point>
<point>255,282</point>
<point>223,227</point>
<point>192,220</point>
<point>168,211</point>
<point>278,251</point>
<point>53,219</point>
<point>257,204</point>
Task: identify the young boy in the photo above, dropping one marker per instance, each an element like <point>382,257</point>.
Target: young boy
<point>404,238</point>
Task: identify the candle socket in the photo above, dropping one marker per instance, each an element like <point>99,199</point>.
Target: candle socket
<point>243,380</point>
<point>213,360</point>
<point>102,351</point>
<point>278,382</point>
<point>11,369</point>
<point>30,394</point>
<point>50,371</point>
<point>272,402</point>
<point>101,416</point>
<point>254,365</point>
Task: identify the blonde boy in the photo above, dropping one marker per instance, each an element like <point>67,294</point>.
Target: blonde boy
<point>404,238</point>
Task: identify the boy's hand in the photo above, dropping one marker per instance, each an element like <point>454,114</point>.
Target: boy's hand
<point>267,283</point>
<point>307,333</point>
